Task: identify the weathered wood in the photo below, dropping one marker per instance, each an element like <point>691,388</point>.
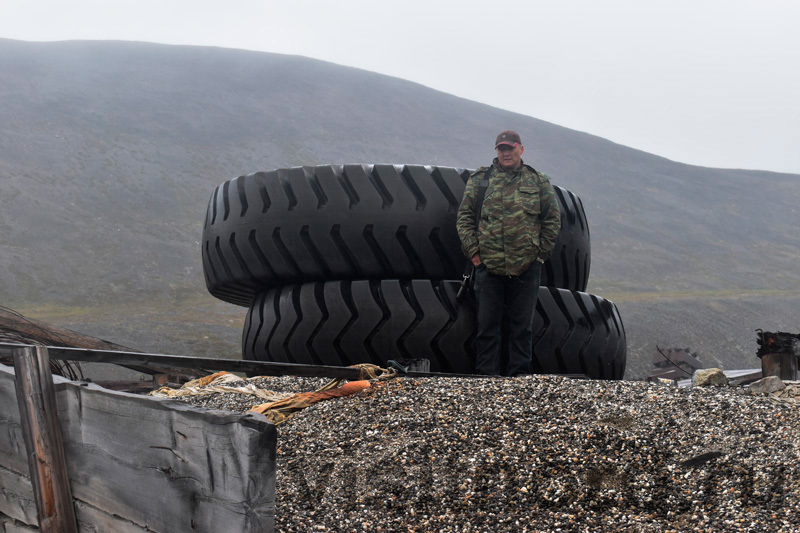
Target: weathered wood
<point>16,496</point>
<point>50,335</point>
<point>169,466</point>
<point>139,463</point>
<point>42,433</point>
<point>7,349</point>
<point>9,525</point>
<point>783,365</point>
<point>17,503</point>
<point>155,362</point>
<point>777,342</point>
<point>94,520</point>
<point>205,364</point>
<point>12,444</point>
<point>137,386</point>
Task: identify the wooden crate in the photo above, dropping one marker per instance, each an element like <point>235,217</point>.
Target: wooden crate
<point>138,463</point>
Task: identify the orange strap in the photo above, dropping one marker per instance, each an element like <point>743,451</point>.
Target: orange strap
<point>282,410</point>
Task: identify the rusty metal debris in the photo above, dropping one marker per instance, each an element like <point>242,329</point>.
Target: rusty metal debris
<point>777,342</point>
<point>674,364</point>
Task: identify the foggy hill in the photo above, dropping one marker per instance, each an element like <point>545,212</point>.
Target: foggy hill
<point>109,152</point>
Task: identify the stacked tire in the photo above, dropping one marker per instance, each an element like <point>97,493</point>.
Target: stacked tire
<point>346,264</point>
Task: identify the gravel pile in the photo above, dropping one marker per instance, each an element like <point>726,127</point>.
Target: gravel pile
<point>537,453</point>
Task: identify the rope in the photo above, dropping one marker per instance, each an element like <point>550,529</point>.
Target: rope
<point>220,382</point>
<point>374,372</point>
<point>283,410</point>
<point>280,407</point>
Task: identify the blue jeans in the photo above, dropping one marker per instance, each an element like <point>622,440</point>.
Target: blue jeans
<point>512,298</point>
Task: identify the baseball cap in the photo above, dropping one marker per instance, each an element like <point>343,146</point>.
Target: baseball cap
<point>507,137</point>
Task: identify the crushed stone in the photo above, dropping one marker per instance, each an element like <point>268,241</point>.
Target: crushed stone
<point>537,454</point>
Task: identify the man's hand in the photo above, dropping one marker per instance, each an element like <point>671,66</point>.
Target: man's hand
<point>476,259</point>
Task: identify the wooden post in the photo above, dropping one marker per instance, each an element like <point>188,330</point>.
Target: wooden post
<point>42,434</point>
<point>783,365</point>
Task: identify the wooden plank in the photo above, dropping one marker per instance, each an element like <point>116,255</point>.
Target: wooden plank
<point>94,520</point>
<point>783,365</point>
<point>206,364</point>
<point>162,465</point>
<point>42,433</point>
<point>6,349</point>
<point>9,525</point>
<point>137,386</point>
<point>16,497</point>
<point>259,368</point>
<point>12,444</point>
<point>49,334</point>
<point>169,466</point>
<point>16,492</point>
<point>17,503</point>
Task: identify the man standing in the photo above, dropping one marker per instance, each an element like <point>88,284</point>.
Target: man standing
<point>516,232</point>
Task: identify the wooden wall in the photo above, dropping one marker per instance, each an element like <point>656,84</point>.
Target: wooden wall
<point>138,463</point>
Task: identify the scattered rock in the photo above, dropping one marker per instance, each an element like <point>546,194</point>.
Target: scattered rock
<point>766,385</point>
<point>665,382</point>
<point>789,395</point>
<point>709,377</point>
<point>703,458</point>
<point>537,454</point>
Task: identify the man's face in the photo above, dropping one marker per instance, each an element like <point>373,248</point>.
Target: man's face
<point>510,156</point>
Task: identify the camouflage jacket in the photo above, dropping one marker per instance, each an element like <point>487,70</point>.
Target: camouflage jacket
<point>519,221</point>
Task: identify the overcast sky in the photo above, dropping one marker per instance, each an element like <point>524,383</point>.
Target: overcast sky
<point>707,82</point>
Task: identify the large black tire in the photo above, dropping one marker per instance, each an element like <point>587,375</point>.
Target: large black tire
<point>353,222</point>
<point>348,322</point>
